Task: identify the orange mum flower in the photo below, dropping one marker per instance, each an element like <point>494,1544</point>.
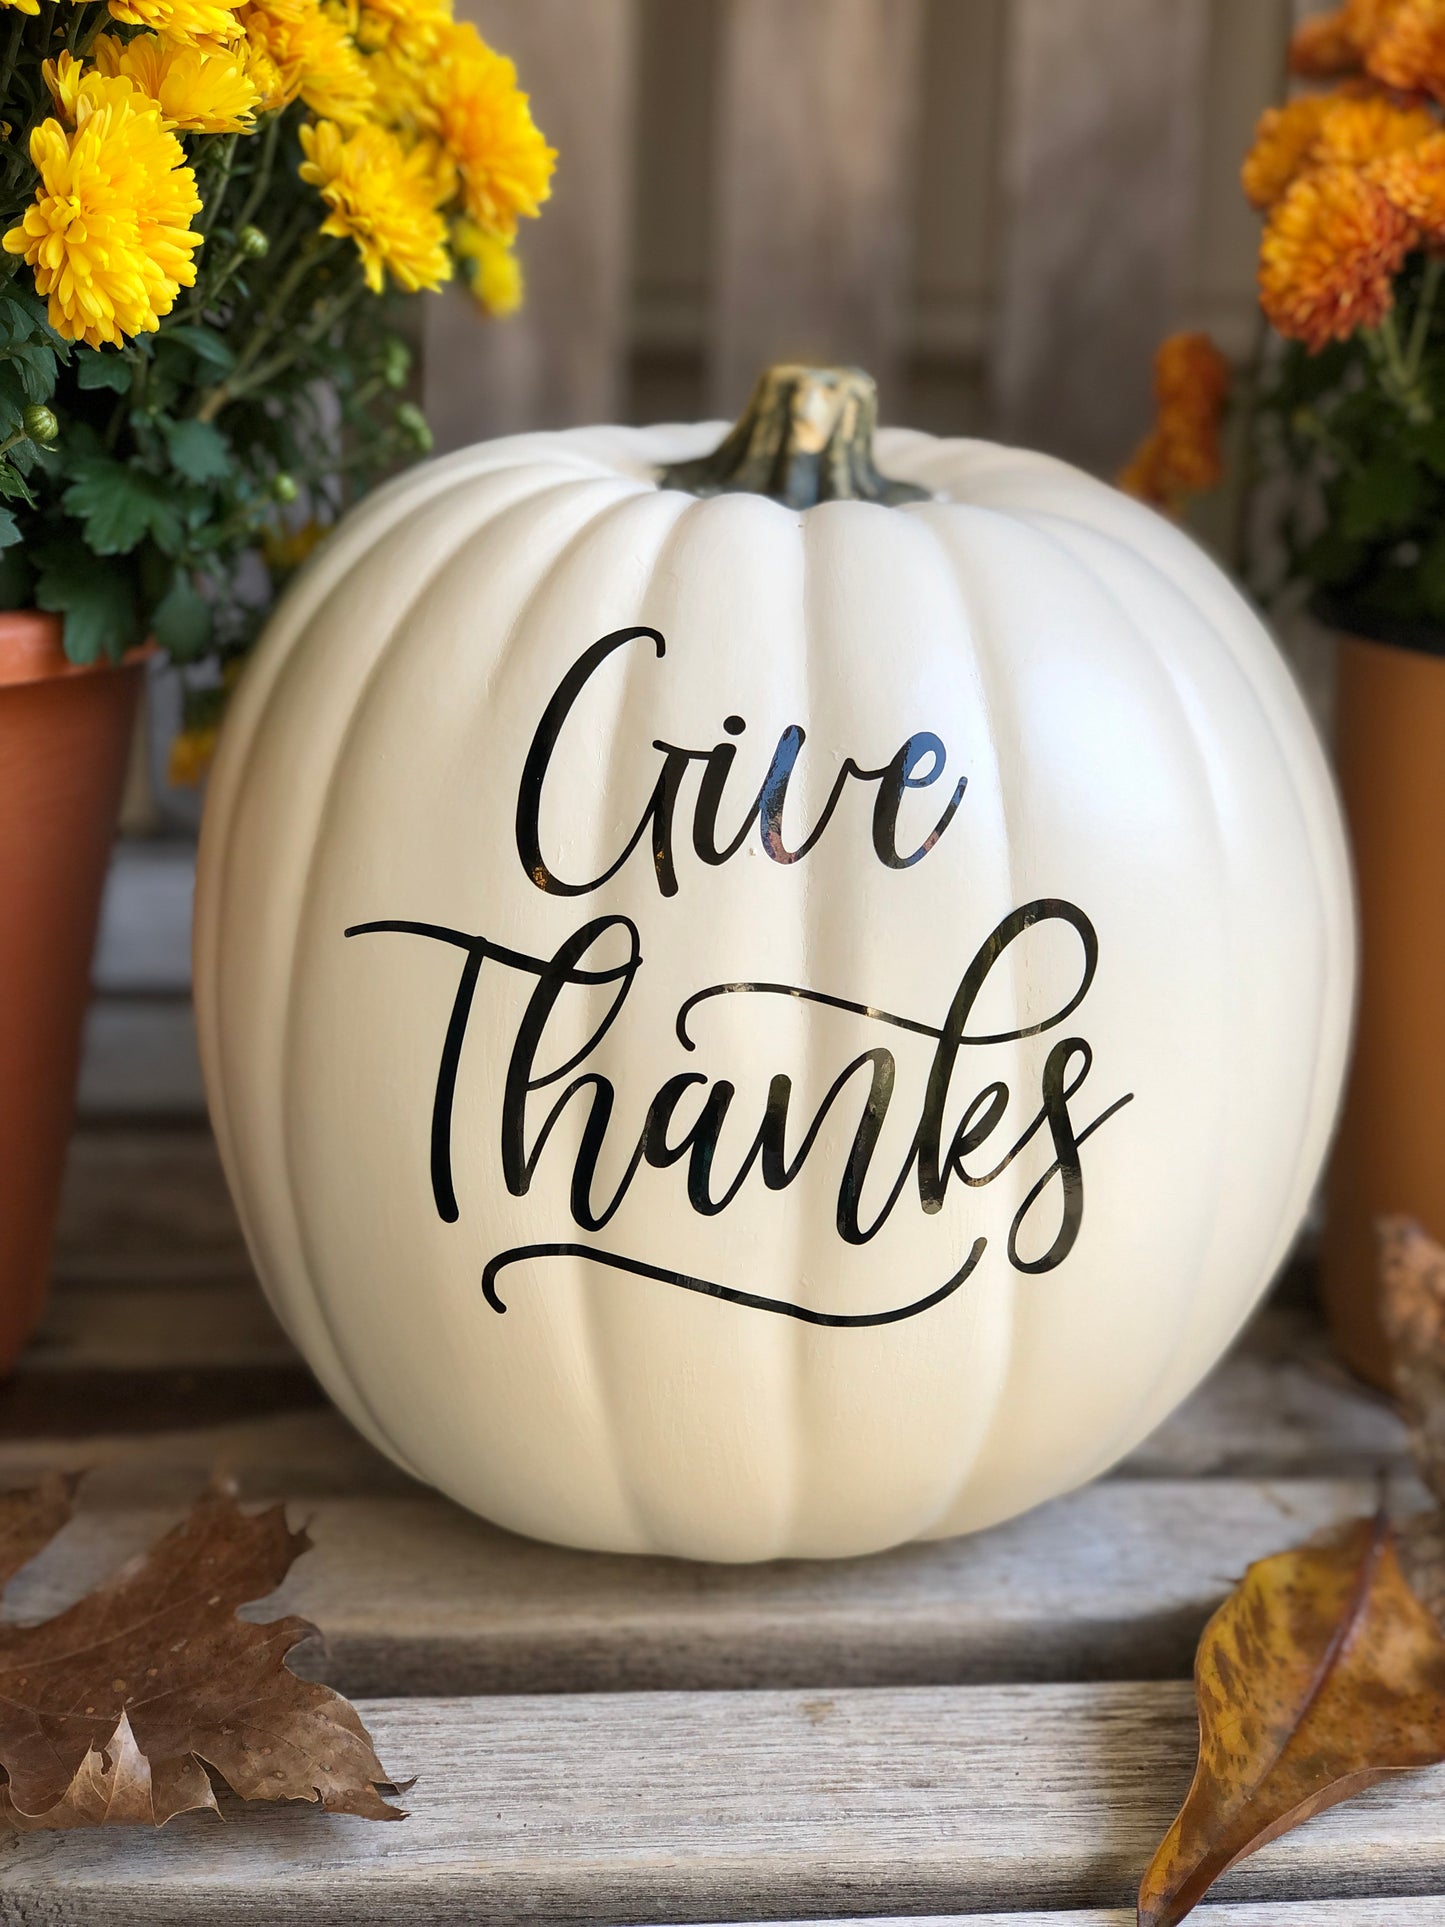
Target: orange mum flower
<point>1356,132</point>
<point>1181,455</point>
<point>1410,51</point>
<point>1322,49</point>
<point>1415,183</point>
<point>1336,43</point>
<point>1282,142</point>
<point>1321,130</point>
<point>1331,249</point>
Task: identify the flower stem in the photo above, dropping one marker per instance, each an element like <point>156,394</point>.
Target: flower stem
<point>216,192</point>
<point>261,178</point>
<point>1383,347</point>
<point>1424,313</point>
<point>246,375</point>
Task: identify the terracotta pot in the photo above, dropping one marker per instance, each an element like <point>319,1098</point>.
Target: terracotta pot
<point>64,735</point>
<point>1390,1153</point>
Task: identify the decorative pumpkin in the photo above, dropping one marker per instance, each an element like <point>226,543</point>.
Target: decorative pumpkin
<point>749,1027</point>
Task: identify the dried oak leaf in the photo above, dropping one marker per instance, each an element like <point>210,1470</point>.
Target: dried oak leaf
<point>111,1712</point>
<point>1321,1673</point>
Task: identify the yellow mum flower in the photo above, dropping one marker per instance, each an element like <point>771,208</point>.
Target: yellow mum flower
<point>382,198</point>
<point>286,549</point>
<point>412,28</point>
<point>295,48</point>
<point>191,755</point>
<point>108,234</point>
<point>1282,142</point>
<point>486,121</point>
<point>22,6</point>
<point>205,91</point>
<point>193,20</point>
<point>1410,50</point>
<point>493,271</point>
<point>70,81</point>
<point>1332,247</point>
<point>402,98</point>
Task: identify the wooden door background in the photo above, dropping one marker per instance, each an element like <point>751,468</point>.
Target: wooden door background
<point>997,206</point>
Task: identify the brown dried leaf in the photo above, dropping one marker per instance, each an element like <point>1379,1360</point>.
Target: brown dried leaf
<point>1412,1308</point>
<point>1321,1673</point>
<point>111,1712</point>
<point>30,1519</point>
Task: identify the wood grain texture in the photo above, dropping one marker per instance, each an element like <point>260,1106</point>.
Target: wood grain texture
<point>706,1807</point>
<point>816,119</point>
<point>416,1596</point>
<point>1100,177</point>
<point>561,361</point>
<point>147,1206</point>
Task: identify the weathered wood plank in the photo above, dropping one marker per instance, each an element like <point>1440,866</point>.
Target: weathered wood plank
<point>140,1060</point>
<point>144,941</point>
<point>700,1807</point>
<point>300,1451</point>
<point>816,120</point>
<point>1278,1403</point>
<point>415,1596</point>
<point>562,360</point>
<point>1093,266</point>
<point>147,1206</point>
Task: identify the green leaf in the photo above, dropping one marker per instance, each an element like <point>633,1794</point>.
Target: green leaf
<point>37,366</point>
<point>9,529</point>
<point>13,485</point>
<point>121,506</point>
<point>12,399</point>
<point>97,369</point>
<point>181,620</point>
<point>1380,498</point>
<point>199,450</point>
<point>94,596</point>
<point>205,344</point>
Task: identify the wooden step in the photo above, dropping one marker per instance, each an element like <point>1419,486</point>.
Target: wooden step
<point>668,1807</point>
<point>417,1596</point>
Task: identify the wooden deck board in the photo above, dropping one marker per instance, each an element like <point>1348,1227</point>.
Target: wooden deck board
<point>416,1596</point>
<point>706,1807</point>
<point>991,1732</point>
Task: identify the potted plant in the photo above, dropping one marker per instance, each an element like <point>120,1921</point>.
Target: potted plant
<point>1346,432</point>
<point>214,211</point>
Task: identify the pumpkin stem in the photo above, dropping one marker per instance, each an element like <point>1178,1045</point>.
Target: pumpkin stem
<point>806,436</point>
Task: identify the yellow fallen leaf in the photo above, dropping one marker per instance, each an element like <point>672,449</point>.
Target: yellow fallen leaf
<point>1321,1673</point>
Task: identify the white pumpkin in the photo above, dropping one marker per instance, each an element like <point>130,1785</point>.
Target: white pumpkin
<point>859,1121</point>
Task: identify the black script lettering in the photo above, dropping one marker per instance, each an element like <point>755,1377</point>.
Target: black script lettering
<point>919,763</point>
<point>660,1146</point>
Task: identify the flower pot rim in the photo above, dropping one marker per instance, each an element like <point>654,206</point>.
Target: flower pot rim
<point>31,650</point>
